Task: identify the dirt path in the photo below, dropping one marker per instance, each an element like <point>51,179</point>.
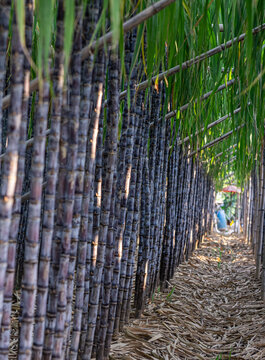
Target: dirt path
<point>212,310</point>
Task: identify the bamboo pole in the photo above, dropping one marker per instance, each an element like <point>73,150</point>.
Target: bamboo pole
<point>127,26</point>
<point>230,160</point>
<point>216,141</point>
<point>227,155</point>
<point>187,64</point>
<point>221,153</point>
<point>216,122</point>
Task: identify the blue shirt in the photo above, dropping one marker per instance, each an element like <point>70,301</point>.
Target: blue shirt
<point>221,220</point>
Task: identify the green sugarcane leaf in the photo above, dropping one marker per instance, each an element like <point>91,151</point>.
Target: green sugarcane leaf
<point>45,10</point>
<point>69,19</point>
<point>115,20</point>
<point>20,16</point>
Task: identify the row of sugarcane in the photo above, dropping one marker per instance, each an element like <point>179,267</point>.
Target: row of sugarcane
<point>100,208</point>
<point>253,205</point>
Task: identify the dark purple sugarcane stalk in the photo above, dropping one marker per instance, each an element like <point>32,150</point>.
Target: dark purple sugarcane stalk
<point>157,204</point>
<point>126,305</point>
<point>162,214</point>
<point>141,208</point>
<point>94,186</point>
<point>114,242</point>
<point>167,244</point>
<point>70,180</point>
<point>50,191</point>
<point>106,285</point>
<point>56,241</point>
<point>56,244</point>
<point>200,207</point>
<point>130,210</point>
<point>155,110</point>
<point>5,6</point>
<point>90,168</point>
<point>32,242</point>
<point>132,221</point>
<point>87,141</point>
<point>10,163</point>
<point>83,276</point>
<point>122,245</point>
<point>205,205</point>
<point>14,228</point>
<point>200,222</point>
<point>185,209</point>
<point>193,206</point>
<point>97,330</point>
<point>143,276</point>
<point>178,174</point>
<point>196,206</point>
<point>124,189</point>
<point>114,214</point>
<point>181,209</point>
<point>176,186</point>
<point>96,125</point>
<point>211,210</point>
<point>140,247</point>
<point>254,206</point>
<point>109,162</point>
<point>91,216</point>
<point>190,211</point>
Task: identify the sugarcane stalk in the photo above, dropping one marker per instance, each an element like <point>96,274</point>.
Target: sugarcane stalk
<point>143,275</point>
<point>14,228</point>
<point>109,161</point>
<point>124,282</point>
<point>179,165</point>
<point>184,210</point>
<point>106,285</point>
<point>5,6</point>
<point>91,98</point>
<point>190,212</point>
<point>29,279</point>
<point>85,184</point>
<point>114,217</point>
<point>130,213</point>
<point>155,191</point>
<point>125,177</point>
<point>64,293</point>
<point>10,164</point>
<point>166,245</point>
<point>141,208</point>
<point>50,191</point>
<point>95,126</point>
<point>163,195</point>
<point>261,214</point>
<point>126,304</point>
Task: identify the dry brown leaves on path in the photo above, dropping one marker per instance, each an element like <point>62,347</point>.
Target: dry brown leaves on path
<point>212,310</point>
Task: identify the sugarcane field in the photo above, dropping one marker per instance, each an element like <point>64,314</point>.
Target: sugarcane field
<point>132,179</point>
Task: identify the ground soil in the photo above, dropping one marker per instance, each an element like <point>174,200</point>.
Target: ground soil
<point>212,309</point>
